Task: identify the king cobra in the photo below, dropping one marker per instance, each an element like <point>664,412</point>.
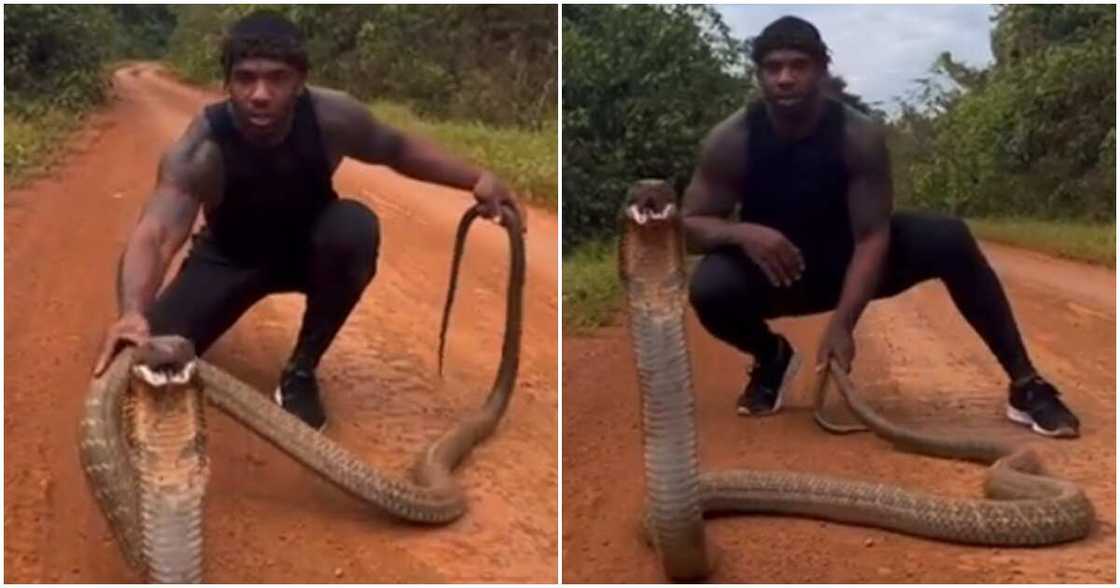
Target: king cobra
<point>143,444</point>
<point>1022,505</point>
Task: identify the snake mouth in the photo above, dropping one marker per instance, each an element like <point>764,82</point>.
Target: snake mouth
<point>644,214</point>
<point>165,374</point>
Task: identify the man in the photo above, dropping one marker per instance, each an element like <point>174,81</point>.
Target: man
<point>259,165</point>
<point>816,232</point>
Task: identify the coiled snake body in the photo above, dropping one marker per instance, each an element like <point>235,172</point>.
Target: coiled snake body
<point>1024,506</point>
<point>142,442</point>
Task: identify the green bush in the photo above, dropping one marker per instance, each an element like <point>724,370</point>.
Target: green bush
<point>1031,136</point>
<point>592,290</point>
<point>642,86</point>
<point>494,64</point>
<point>524,158</point>
<point>54,57</point>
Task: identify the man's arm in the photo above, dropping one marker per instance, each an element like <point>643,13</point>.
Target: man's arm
<point>187,174</point>
<point>711,196</point>
<point>164,224</point>
<point>870,201</point>
<point>715,187</point>
<point>359,135</point>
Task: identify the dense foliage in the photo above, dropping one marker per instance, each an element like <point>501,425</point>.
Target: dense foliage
<point>494,64</point>
<point>642,86</point>
<point>1033,135</point>
<point>53,55</point>
<point>482,78</point>
<point>55,59</point>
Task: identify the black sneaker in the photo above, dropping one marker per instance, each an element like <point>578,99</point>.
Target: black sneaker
<point>769,380</point>
<point>298,393</point>
<point>1035,403</point>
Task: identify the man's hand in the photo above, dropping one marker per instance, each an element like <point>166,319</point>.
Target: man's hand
<point>779,258</point>
<point>131,328</point>
<point>491,193</point>
<point>837,344</point>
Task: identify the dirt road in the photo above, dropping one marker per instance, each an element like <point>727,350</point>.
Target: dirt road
<point>268,519</point>
<point>919,362</point>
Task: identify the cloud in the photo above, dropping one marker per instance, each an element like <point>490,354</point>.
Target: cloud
<point>881,49</point>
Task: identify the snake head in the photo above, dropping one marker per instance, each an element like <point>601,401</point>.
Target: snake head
<point>650,202</point>
<point>165,360</point>
<point>651,246</point>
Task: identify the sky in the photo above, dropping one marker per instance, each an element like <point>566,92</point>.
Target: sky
<point>880,49</point>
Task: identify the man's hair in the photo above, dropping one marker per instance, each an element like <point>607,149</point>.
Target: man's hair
<point>263,34</point>
<point>790,32</point>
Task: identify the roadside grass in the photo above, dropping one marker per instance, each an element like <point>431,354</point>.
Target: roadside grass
<point>593,296</point>
<point>592,293</point>
<point>526,159</point>
<point>1091,243</point>
<point>33,142</point>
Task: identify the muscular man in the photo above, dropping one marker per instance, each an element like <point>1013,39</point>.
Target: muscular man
<point>816,232</point>
<point>259,165</point>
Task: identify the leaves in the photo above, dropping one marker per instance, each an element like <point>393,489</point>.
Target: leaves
<point>642,85</point>
<point>1033,135</point>
<point>495,64</point>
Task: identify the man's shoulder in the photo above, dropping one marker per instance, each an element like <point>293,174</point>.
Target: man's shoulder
<point>195,153</point>
<point>335,110</point>
<point>733,126</point>
<point>864,138</point>
<point>198,142</point>
<point>727,135</point>
<point>861,129</point>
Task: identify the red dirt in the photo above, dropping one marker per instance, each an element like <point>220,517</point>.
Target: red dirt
<point>920,363</point>
<point>269,519</point>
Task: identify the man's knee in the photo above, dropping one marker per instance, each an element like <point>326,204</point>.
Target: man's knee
<point>715,284</point>
<point>955,238</point>
<point>348,232</point>
<point>946,238</point>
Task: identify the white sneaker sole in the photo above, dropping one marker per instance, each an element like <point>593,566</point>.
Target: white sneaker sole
<point>276,399</point>
<point>787,379</point>
<point>1018,416</point>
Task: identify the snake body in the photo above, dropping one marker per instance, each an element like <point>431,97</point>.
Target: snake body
<point>142,443</point>
<point>1023,505</point>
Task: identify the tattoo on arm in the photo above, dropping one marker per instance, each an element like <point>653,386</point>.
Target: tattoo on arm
<point>163,227</point>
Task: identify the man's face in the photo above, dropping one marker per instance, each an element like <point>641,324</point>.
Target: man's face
<point>263,93</point>
<point>790,80</point>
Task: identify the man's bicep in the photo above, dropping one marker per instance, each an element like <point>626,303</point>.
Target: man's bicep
<point>174,203</point>
<point>364,137</point>
<point>712,190</point>
<point>871,194</point>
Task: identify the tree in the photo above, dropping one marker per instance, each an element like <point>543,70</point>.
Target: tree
<point>496,64</point>
<point>1031,135</point>
<point>642,86</point>
<point>53,56</point>
<point>837,87</point>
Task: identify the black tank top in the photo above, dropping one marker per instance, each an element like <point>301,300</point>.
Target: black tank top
<point>800,187</point>
<point>272,194</point>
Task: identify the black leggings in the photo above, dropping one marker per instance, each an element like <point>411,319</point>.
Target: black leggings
<point>333,268</point>
<point>732,296</point>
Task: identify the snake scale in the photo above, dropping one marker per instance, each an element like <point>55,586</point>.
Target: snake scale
<point>1023,505</point>
<point>143,447</point>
